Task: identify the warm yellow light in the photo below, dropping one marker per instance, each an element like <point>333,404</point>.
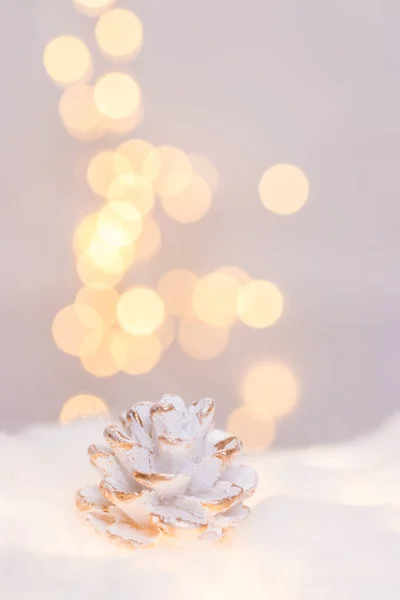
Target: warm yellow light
<point>140,353</point>
<point>174,172</point>
<point>176,290</point>
<point>259,304</point>
<point>119,34</point>
<point>77,329</point>
<point>119,224</point>
<point>284,189</point>
<point>214,299</point>
<point>252,427</point>
<point>104,361</point>
<point>104,302</point>
<point>93,276</point>
<point>133,189</point>
<point>84,405</point>
<point>271,387</point>
<point>67,60</point>
<point>200,340</point>
<point>84,233</point>
<point>79,113</point>
<point>149,241</point>
<point>191,204</point>
<point>117,95</point>
<point>143,158</point>
<point>140,311</point>
<point>236,272</point>
<point>118,127</point>
<point>93,8</point>
<point>107,257</point>
<point>103,168</point>
<point>166,333</point>
<point>208,171</point>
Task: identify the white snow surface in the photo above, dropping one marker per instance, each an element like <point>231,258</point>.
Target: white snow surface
<point>325,525</point>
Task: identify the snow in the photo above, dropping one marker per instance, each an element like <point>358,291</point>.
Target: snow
<point>325,525</point>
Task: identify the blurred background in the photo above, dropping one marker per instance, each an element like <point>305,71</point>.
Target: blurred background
<point>201,198</point>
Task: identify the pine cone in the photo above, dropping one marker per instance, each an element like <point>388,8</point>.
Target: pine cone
<point>166,473</point>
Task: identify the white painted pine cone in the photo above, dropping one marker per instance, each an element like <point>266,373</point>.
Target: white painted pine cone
<point>167,472</point>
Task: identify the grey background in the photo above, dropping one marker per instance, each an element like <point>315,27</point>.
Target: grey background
<point>248,84</point>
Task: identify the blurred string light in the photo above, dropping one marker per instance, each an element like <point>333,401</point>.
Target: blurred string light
<point>252,426</point>
<point>201,340</point>
<point>174,171</point>
<point>215,297</point>
<point>77,329</point>
<point>119,34</point>
<point>105,360</point>
<point>93,8</point>
<point>143,158</point>
<point>83,405</point>
<point>133,189</point>
<point>79,113</point>
<point>119,223</point>
<point>140,311</point>
<point>259,304</point>
<point>104,302</point>
<point>149,241</point>
<point>67,60</point>
<point>93,276</point>
<point>190,204</point>
<point>140,353</point>
<point>117,127</point>
<point>166,332</point>
<point>103,168</point>
<point>271,388</point>
<point>283,189</point>
<point>117,95</point>
<point>176,289</point>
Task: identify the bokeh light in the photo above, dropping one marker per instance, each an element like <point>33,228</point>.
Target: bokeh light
<point>119,223</point>
<point>283,189</point>
<point>67,60</point>
<point>236,272</point>
<point>104,302</point>
<point>117,127</point>
<point>83,405</point>
<point>142,156</point>
<point>84,233</point>
<point>105,361</point>
<point>93,276</point>
<point>252,427</point>
<point>103,168</point>
<point>119,34</point>
<point>200,340</point>
<point>77,329</point>
<point>259,304</point>
<point>174,170</point>
<point>206,169</point>
<point>149,241</point>
<point>166,333</point>
<point>191,204</point>
<point>271,388</point>
<point>93,8</point>
<point>134,189</point>
<point>141,353</point>
<point>140,311</point>
<point>105,256</point>
<point>79,113</point>
<point>176,289</point>
<point>215,297</point>
<point>117,95</point>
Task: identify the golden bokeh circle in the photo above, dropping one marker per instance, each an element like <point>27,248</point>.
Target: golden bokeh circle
<point>119,34</point>
<point>271,387</point>
<point>104,302</point>
<point>200,340</point>
<point>149,241</point>
<point>191,204</point>
<point>67,60</point>
<point>259,304</point>
<point>93,8</point>
<point>119,224</point>
<point>140,354</point>
<point>79,113</point>
<point>142,156</point>
<point>83,405</point>
<point>103,361</point>
<point>140,311</point>
<point>173,170</point>
<point>166,332</point>
<point>252,427</point>
<point>215,298</point>
<point>103,168</point>
<point>176,290</point>
<point>283,189</point>
<point>117,95</point>
<point>77,329</point>
<point>134,189</point>
<point>206,169</point>
<point>94,277</point>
